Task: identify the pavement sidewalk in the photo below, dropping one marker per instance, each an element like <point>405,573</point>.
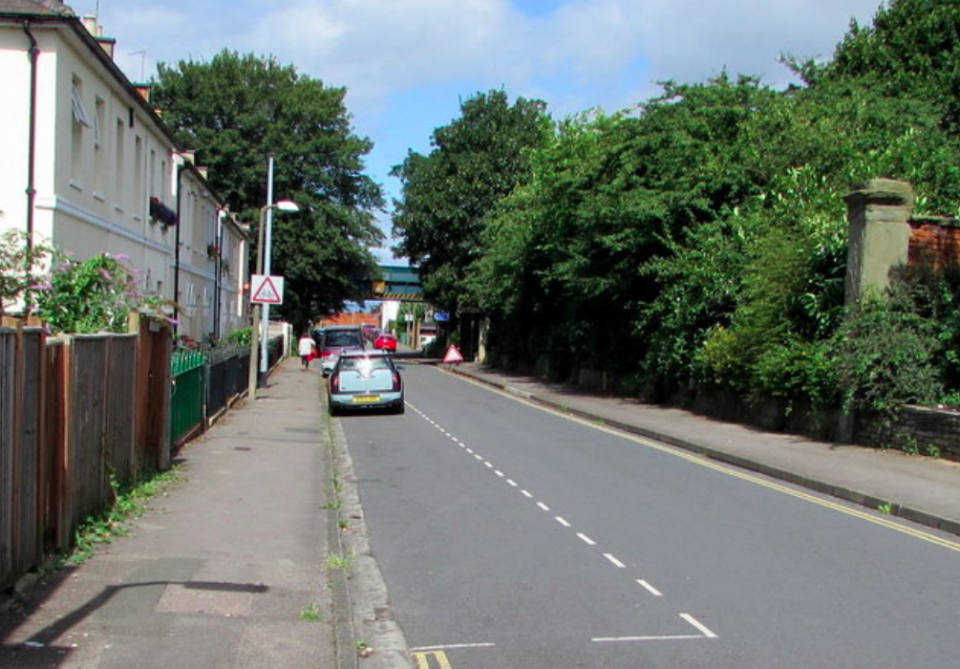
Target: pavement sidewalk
<point>921,489</point>
<point>226,571</point>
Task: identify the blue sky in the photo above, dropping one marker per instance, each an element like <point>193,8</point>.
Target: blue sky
<point>407,63</point>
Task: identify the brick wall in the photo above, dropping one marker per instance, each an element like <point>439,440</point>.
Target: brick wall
<point>351,319</point>
<point>934,242</point>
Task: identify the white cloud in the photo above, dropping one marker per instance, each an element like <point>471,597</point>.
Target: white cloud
<point>378,48</point>
<point>402,59</point>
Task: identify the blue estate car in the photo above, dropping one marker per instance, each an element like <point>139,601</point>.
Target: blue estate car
<point>363,380</point>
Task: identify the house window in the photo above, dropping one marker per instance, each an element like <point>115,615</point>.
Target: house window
<point>100,167</point>
<point>101,107</point>
<point>152,174</point>
<point>140,199</point>
<point>80,120</point>
<point>119,166</point>
<point>80,114</point>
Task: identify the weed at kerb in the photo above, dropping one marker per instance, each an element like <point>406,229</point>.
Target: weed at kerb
<point>311,614</point>
<point>338,562</point>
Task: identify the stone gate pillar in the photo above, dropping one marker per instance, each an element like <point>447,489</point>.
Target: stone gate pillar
<point>878,212</point>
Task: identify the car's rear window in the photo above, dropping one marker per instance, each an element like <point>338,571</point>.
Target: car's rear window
<point>342,338</point>
<point>363,364</point>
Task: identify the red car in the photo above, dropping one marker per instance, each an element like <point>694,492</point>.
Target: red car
<point>386,342</point>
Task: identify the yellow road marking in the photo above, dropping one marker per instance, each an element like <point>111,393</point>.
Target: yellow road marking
<point>423,659</point>
<point>729,470</point>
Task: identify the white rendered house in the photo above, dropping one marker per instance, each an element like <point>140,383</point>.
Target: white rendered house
<point>88,165</point>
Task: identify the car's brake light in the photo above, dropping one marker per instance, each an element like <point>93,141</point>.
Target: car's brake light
<point>396,381</point>
<point>335,382</point>
<point>324,354</point>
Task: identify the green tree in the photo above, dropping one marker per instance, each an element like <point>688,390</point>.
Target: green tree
<point>448,195</point>
<point>235,110</point>
<point>607,196</point>
<point>912,48</point>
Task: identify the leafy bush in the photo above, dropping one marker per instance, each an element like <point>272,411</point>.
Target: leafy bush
<point>94,295</point>
<point>885,356</point>
<point>241,337</point>
<point>797,372</point>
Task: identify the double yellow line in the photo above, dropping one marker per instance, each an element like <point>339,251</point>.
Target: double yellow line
<point>423,659</point>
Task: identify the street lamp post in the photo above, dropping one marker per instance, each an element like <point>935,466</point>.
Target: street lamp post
<point>258,324</point>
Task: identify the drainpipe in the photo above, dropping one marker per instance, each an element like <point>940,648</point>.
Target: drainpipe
<point>176,257</point>
<point>217,280</point>
<point>34,53</point>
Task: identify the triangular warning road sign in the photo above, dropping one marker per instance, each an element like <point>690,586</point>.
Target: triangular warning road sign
<point>453,355</point>
<point>266,292</point>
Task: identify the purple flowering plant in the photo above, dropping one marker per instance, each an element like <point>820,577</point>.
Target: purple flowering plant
<point>71,296</point>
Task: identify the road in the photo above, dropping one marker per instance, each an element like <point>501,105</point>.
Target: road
<point>509,536</point>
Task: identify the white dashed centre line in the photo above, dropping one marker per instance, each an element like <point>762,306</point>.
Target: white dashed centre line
<point>700,626</point>
<point>649,588</point>
<point>614,561</point>
<point>543,506</point>
<point>526,494</point>
<point>585,539</point>
<point>498,473</point>
<point>562,521</point>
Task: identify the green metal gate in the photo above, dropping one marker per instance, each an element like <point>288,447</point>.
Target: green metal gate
<point>188,393</point>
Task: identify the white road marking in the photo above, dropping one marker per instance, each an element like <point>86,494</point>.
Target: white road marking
<point>699,625</point>
<point>678,637</point>
<point>695,458</point>
<point>649,588</point>
<point>614,561</point>
<point>452,646</point>
<point>703,629</point>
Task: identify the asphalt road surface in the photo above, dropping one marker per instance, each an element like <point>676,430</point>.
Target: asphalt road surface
<point>511,537</point>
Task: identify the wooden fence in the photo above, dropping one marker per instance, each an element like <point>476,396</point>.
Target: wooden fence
<point>74,413</point>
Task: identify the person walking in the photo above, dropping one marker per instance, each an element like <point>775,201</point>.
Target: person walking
<point>306,348</point>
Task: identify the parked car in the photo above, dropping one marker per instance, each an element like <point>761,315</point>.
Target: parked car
<point>370,332</point>
<point>386,342</point>
<point>334,341</point>
<point>364,380</point>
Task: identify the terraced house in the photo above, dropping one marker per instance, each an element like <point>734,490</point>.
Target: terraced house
<point>88,165</point>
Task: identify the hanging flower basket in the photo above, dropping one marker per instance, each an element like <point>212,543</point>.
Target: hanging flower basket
<point>213,251</point>
<point>162,213</point>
